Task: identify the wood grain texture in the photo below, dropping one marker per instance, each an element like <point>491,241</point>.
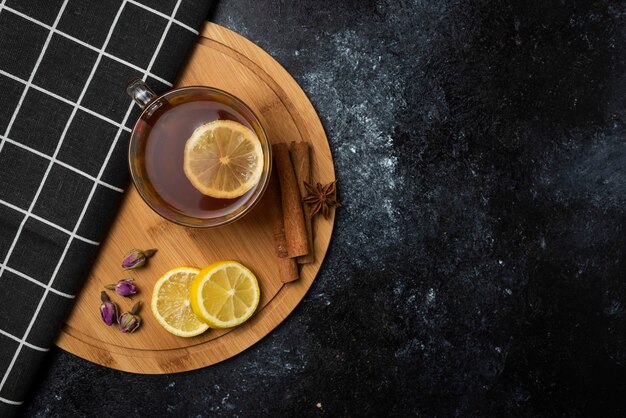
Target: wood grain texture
<point>225,60</point>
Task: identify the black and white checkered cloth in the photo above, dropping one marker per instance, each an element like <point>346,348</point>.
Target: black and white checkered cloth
<point>64,128</point>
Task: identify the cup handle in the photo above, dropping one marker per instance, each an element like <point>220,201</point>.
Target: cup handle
<point>139,91</point>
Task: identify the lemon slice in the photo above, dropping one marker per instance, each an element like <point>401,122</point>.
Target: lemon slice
<point>170,303</point>
<point>224,294</point>
<point>223,159</point>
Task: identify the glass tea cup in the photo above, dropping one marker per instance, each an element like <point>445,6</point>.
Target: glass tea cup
<point>156,149</point>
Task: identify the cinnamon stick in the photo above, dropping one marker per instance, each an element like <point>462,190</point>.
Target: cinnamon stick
<point>301,160</point>
<point>287,266</point>
<point>293,216</point>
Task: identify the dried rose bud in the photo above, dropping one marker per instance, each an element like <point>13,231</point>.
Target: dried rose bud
<point>136,258</point>
<point>130,321</point>
<point>108,309</point>
<point>124,287</point>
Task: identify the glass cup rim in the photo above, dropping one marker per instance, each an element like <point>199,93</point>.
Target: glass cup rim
<point>218,221</point>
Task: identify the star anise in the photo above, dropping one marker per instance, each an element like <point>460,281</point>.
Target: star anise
<point>321,198</point>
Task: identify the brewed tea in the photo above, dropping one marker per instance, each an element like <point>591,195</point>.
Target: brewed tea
<point>166,130</point>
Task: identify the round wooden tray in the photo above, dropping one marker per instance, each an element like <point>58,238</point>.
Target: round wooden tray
<point>230,62</point>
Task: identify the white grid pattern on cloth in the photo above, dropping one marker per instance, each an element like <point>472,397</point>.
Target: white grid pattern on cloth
<point>61,163</point>
<point>32,75</point>
<point>49,223</point>
<point>166,16</point>
<point>86,45</point>
<point>10,125</point>
<point>64,100</point>
<point>48,287</point>
<point>27,344</point>
<point>2,142</point>
<point>37,282</point>
<point>10,402</point>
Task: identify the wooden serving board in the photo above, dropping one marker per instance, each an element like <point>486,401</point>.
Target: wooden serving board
<point>230,62</point>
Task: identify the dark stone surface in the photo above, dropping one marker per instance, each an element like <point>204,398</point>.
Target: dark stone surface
<point>478,262</point>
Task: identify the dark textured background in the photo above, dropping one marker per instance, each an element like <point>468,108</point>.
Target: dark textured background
<point>477,266</point>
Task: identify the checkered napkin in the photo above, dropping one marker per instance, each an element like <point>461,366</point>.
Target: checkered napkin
<point>64,127</point>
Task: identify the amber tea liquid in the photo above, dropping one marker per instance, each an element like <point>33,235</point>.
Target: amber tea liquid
<point>167,129</point>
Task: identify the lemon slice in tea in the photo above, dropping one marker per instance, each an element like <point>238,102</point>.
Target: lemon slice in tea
<point>223,159</point>
<point>224,294</point>
<point>171,306</point>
